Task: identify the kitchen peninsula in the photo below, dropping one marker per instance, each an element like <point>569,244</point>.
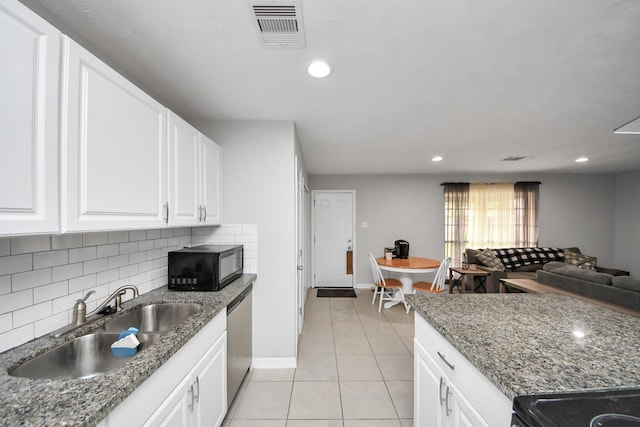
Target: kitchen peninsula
<point>515,344</point>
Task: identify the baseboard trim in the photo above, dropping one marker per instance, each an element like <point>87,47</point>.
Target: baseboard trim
<point>363,286</point>
<point>274,362</point>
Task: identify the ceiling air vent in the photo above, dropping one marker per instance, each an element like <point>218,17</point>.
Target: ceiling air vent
<point>279,23</point>
<point>515,158</point>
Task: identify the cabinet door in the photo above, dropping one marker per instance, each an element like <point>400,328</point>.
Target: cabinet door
<point>175,410</point>
<point>30,67</point>
<point>114,145</point>
<point>463,414</point>
<point>211,385</point>
<point>429,386</point>
<point>211,181</point>
<point>184,172</point>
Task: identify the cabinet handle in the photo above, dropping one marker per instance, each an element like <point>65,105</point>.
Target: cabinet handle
<point>192,404</point>
<point>444,359</point>
<point>166,209</point>
<point>205,213</point>
<point>440,391</point>
<point>446,402</point>
<point>198,389</point>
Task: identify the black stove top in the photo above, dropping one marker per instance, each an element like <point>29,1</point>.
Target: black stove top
<point>620,408</point>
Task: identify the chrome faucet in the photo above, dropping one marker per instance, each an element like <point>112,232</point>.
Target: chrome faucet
<point>80,308</point>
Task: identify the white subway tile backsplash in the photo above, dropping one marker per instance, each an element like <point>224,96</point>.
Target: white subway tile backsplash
<point>50,292</point>
<point>66,272</point>
<point>5,284</point>
<point>50,259</point>
<point>104,251</point>
<point>6,322</point>
<point>30,279</point>
<point>153,234</point>
<point>160,243</point>
<point>95,266</point>
<point>5,247</point>
<point>136,235</point>
<point>83,283</point>
<point>130,270</point>
<point>118,261</point>
<point>129,248</point>
<point>16,301</point>
<point>83,254</point>
<point>145,245</point>
<point>107,276</point>
<point>15,264</point>
<point>95,239</point>
<point>30,244</point>
<point>44,326</point>
<point>49,273</point>
<point>16,337</point>
<point>66,241</point>
<point>31,314</point>
<point>118,236</point>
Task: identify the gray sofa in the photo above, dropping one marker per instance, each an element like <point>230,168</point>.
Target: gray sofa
<point>527,271</point>
<point>621,290</point>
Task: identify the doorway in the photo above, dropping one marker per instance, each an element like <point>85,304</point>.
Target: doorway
<point>333,238</point>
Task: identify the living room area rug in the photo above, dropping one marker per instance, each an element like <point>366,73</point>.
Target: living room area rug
<point>336,293</point>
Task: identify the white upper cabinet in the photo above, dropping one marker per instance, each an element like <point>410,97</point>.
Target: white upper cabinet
<point>113,148</point>
<point>184,172</point>
<point>29,66</point>
<point>211,190</point>
<point>194,175</point>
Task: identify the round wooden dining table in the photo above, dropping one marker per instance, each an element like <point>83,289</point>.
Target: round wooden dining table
<point>405,269</point>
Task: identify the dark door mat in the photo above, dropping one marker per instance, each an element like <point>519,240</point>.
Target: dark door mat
<point>336,293</point>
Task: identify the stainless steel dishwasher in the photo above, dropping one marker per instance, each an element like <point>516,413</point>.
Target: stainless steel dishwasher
<point>239,336</point>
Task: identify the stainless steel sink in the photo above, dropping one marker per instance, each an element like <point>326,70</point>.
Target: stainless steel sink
<point>83,357</point>
<point>154,317</point>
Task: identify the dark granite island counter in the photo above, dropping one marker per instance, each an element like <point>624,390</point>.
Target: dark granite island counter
<point>85,402</point>
<point>534,344</point>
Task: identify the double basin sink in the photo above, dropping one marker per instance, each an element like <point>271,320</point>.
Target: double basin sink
<point>90,355</point>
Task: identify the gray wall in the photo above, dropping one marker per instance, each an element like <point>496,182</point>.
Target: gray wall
<point>627,214</point>
<point>575,210</point>
<point>259,188</point>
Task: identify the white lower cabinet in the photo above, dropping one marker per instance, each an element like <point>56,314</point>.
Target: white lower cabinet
<point>448,390</point>
<point>188,390</point>
<point>198,400</point>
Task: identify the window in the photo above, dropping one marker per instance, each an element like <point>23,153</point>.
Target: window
<point>490,216</point>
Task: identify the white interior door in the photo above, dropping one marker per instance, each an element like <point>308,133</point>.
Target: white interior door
<point>333,216</point>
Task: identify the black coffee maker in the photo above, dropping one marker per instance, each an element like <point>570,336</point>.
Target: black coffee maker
<point>401,249</point>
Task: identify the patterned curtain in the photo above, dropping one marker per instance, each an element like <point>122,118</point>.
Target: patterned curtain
<point>456,208</point>
<point>527,195</point>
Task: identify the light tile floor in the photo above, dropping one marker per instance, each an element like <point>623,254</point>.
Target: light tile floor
<point>355,369</point>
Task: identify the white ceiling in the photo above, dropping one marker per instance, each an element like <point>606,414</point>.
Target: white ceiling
<point>473,81</point>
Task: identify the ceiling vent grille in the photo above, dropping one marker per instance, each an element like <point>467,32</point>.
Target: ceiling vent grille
<point>278,23</point>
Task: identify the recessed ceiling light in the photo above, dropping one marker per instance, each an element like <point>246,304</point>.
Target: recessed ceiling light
<point>437,159</point>
<point>582,159</point>
<point>319,69</point>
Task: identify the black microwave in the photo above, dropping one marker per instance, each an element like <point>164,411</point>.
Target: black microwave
<point>204,268</point>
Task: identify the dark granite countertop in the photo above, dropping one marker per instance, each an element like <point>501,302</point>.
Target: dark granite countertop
<point>85,402</point>
<point>530,344</point>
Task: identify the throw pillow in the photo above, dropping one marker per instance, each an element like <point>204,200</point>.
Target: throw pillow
<point>626,282</point>
<point>579,260</point>
<point>489,259</point>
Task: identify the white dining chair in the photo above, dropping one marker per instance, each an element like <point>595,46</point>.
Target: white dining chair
<point>384,288</point>
<point>437,286</point>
